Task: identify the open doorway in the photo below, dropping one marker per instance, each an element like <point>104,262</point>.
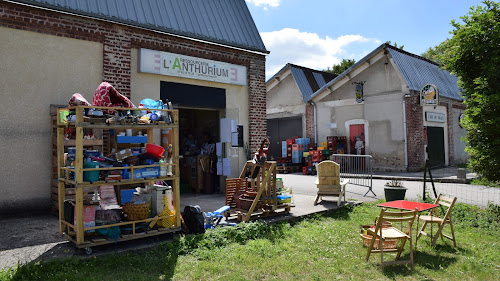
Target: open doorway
<point>198,133</point>
<point>200,110</point>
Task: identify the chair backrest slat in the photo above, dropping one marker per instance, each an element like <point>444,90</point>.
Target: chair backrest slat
<point>442,203</point>
<point>398,214</point>
<point>401,219</point>
<point>447,202</point>
<point>405,216</point>
<point>328,173</point>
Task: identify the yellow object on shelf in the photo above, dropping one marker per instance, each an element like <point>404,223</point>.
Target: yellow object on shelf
<point>305,154</point>
<point>324,144</point>
<point>170,221</point>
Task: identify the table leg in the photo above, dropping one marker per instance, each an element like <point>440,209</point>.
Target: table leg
<point>418,232</point>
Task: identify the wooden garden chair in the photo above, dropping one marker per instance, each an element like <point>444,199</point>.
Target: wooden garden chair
<point>328,181</point>
<point>382,234</point>
<point>433,218</point>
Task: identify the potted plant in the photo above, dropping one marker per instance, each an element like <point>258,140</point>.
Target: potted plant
<point>394,190</point>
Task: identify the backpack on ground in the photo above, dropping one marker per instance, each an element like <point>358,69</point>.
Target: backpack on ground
<point>193,219</point>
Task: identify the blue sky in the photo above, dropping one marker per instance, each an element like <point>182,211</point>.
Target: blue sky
<point>319,33</point>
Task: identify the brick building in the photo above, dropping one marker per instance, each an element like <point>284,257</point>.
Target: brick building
<point>387,115</point>
<point>52,49</point>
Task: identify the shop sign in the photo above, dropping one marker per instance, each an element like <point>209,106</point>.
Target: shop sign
<point>359,91</point>
<point>435,117</point>
<point>429,95</point>
<point>170,64</point>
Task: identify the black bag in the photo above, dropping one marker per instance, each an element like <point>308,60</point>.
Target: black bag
<point>194,220</point>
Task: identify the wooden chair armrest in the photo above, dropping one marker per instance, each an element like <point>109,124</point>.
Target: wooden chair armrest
<point>344,182</point>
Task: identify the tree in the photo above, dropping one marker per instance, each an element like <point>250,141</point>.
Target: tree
<point>433,53</point>
<point>341,67</point>
<point>395,45</point>
<point>473,54</point>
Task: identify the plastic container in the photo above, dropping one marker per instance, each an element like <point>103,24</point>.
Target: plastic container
<point>91,175</point>
<point>154,150</point>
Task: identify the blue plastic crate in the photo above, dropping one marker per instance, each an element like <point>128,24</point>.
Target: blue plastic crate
<point>132,139</point>
<point>283,149</point>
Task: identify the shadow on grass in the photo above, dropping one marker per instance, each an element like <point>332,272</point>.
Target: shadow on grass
<point>428,261</point>
<point>112,262</point>
<point>433,261</point>
<point>159,261</point>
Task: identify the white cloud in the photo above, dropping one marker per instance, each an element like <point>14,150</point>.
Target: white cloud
<point>265,3</point>
<point>309,50</point>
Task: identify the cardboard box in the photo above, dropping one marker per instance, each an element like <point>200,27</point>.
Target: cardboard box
<point>88,217</point>
<point>152,172</point>
<point>162,196</point>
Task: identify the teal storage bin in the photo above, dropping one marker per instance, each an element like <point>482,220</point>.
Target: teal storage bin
<point>91,175</point>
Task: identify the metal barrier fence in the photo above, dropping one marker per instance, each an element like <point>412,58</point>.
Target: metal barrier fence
<point>357,168</point>
<point>445,181</point>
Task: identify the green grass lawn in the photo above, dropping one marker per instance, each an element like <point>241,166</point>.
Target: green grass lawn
<point>317,248</point>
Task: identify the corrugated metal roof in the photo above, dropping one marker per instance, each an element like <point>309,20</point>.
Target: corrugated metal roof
<point>319,79</point>
<point>301,80</point>
<point>418,72</point>
<point>309,80</point>
<point>226,22</point>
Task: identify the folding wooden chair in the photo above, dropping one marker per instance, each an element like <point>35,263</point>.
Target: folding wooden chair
<point>328,181</point>
<point>383,233</point>
<point>433,218</point>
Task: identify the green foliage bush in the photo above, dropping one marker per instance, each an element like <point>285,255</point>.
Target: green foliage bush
<point>467,216</point>
<point>473,54</point>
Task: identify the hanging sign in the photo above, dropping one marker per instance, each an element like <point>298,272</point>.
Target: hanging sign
<point>359,91</point>
<point>429,95</point>
<point>170,64</point>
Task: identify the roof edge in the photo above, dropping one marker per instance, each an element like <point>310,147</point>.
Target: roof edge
<point>412,55</point>
<point>343,74</point>
<point>278,73</point>
<point>165,31</point>
<point>296,66</point>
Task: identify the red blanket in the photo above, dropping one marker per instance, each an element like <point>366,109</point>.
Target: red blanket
<point>107,95</point>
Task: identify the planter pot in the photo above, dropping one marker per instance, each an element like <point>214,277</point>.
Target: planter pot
<point>394,193</point>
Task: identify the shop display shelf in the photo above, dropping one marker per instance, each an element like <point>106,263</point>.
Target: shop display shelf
<point>71,182</point>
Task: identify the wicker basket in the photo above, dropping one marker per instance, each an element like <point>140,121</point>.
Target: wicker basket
<point>136,212</point>
<point>246,202</point>
<point>386,244</point>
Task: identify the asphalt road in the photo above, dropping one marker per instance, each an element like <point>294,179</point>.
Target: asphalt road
<point>465,193</point>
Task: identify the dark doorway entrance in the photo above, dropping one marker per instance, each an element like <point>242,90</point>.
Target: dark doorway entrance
<point>200,109</point>
<point>281,129</point>
<point>435,146</point>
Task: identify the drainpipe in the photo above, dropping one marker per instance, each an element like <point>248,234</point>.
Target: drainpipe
<point>404,132</point>
<point>315,122</point>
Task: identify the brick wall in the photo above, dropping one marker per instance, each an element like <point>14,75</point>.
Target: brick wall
<point>118,40</point>
<point>257,115</point>
<point>417,133</point>
<point>310,121</point>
